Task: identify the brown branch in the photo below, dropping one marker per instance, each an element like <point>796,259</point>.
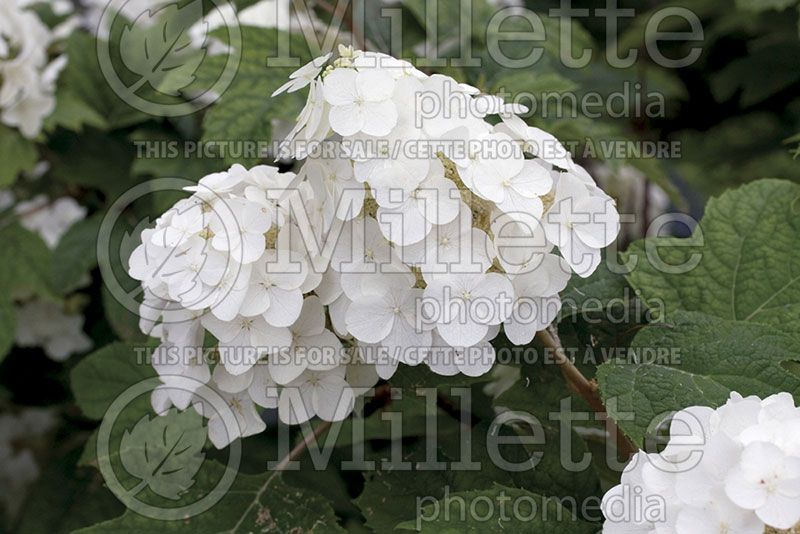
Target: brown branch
<point>358,34</point>
<point>584,387</point>
<point>326,6</point>
<point>301,447</point>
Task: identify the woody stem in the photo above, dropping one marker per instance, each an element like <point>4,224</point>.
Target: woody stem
<point>584,387</point>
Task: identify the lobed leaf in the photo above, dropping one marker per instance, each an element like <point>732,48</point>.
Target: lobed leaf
<point>695,359</point>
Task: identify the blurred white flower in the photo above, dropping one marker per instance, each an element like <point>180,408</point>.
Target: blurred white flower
<point>45,324</point>
<point>20,434</point>
<point>50,220</point>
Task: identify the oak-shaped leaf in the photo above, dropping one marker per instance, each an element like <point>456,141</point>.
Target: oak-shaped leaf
<point>695,359</point>
<point>742,262</point>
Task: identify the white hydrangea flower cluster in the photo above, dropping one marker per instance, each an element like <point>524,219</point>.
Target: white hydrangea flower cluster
<point>413,231</point>
<point>735,469</point>
<point>27,76</point>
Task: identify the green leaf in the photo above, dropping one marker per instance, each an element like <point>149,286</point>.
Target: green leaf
<point>103,375</point>
<point>84,80</point>
<point>120,311</point>
<point>411,406</point>
<point>255,503</point>
<point>67,497</point>
<point>93,159</point>
<point>497,510</point>
<point>635,34</point>
<point>764,72</point>
<point>378,425</point>
<point>548,476</point>
<point>75,255</point>
<point>176,162</point>
<point>734,151</point>
<point>390,495</point>
<point>243,118</point>
<point>165,453</point>
<point>123,321</point>
<point>593,294</point>
<point>7,327</point>
<point>540,392</point>
<point>17,154</point>
<point>245,111</point>
<point>517,82</point>
<point>24,264</point>
<point>73,113</point>
<point>449,18</point>
<point>764,5</point>
<point>695,359</point>
<point>747,256</point>
<point>98,380</point>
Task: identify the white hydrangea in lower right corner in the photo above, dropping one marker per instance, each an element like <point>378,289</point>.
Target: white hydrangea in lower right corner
<point>733,470</point>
